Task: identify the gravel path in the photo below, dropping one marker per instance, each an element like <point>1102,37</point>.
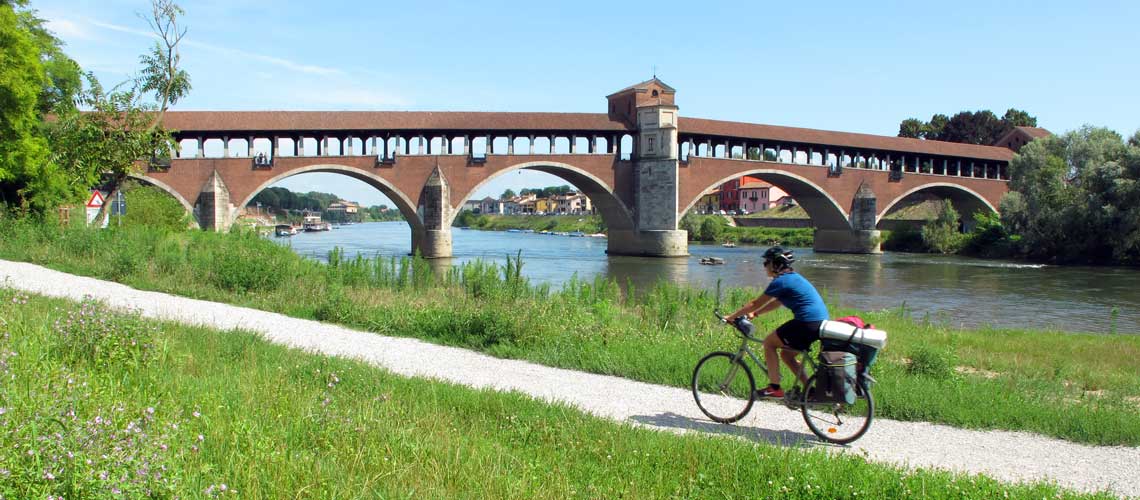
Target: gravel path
<point>1009,456</point>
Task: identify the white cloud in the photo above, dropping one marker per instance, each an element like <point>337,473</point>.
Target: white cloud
<point>277,61</point>
<point>69,29</point>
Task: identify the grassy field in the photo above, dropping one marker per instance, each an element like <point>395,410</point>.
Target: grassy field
<point>1081,387</point>
<point>98,404</point>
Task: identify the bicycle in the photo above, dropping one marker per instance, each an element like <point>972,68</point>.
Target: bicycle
<point>725,391</point>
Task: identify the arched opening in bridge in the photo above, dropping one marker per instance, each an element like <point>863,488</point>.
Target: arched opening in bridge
<point>157,186</point>
<point>913,208</point>
<point>603,202</point>
<point>341,196</point>
<point>744,191</point>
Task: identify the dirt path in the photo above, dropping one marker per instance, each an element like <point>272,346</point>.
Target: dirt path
<point>1009,456</point>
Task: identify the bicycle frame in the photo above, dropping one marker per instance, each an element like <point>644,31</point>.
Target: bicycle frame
<point>806,361</point>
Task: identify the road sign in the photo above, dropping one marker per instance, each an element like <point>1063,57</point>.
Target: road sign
<point>119,204</point>
<point>96,200</point>
<point>94,203</point>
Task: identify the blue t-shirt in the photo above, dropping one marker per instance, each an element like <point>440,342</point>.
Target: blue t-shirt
<point>795,293</point>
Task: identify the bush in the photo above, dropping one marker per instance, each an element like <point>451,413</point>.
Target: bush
<point>93,334</point>
<point>711,228</point>
<point>150,206</point>
<point>941,234</point>
<point>928,361</point>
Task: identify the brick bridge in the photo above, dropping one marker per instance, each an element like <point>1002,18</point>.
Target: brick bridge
<point>641,165</point>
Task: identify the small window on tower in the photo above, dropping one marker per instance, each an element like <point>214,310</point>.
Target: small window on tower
<point>655,93</point>
<point>649,146</point>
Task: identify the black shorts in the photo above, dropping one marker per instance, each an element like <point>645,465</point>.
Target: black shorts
<point>799,335</point>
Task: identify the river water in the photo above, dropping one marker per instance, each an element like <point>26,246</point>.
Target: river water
<point>958,291</point>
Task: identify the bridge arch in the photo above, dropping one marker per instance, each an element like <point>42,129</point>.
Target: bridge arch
<point>965,200</point>
<point>169,190</point>
<point>613,210</point>
<point>825,212</point>
<point>401,200</point>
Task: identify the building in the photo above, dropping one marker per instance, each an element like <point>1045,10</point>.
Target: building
<point>342,210</point>
<point>545,206</point>
<point>489,205</point>
<point>1020,136</point>
<point>471,205</point>
<point>572,204</point>
<point>709,202</point>
<point>756,195</point>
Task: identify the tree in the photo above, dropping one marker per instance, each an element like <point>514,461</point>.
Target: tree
<point>1077,198</point>
<point>972,127</point>
<point>941,234</point>
<point>23,150</point>
<point>119,128</point>
<point>508,194</point>
<point>912,128</point>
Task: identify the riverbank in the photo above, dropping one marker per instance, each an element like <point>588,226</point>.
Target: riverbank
<point>1080,387</point>
<point>207,415</point>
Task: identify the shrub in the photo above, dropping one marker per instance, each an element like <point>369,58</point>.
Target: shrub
<point>929,361</point>
<point>93,334</point>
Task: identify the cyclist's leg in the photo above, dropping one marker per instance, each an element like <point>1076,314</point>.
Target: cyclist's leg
<point>789,356</point>
<point>771,343</point>
<point>797,336</point>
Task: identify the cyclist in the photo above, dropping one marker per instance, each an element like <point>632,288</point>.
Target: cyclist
<point>793,291</point>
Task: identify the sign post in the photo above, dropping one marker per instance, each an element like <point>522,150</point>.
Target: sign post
<point>94,203</point>
<point>119,206</point>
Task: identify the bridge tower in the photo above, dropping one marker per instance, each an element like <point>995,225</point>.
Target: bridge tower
<point>650,109</point>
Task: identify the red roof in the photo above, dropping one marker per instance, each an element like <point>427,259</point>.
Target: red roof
<point>855,141</point>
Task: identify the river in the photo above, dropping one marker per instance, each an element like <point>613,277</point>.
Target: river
<point>958,291</point>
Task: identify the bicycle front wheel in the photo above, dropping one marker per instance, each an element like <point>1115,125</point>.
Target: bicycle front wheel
<point>723,387</point>
<point>838,423</point>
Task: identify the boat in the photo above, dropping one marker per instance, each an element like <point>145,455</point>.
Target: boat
<point>728,244</point>
<point>597,235</point>
<point>712,261</point>
<point>284,230</point>
<point>577,234</point>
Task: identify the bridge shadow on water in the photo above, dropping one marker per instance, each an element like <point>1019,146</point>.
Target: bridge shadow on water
<point>788,439</point>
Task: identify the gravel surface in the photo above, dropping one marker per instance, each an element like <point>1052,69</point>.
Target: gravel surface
<point>1008,456</point>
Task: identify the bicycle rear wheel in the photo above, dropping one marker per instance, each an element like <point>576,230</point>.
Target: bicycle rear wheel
<point>838,423</point>
<point>723,387</point>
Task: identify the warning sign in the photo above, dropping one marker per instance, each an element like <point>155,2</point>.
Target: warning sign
<point>94,203</point>
<point>96,200</point>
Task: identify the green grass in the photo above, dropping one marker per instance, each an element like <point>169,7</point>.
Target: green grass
<point>780,212</point>
<point>1080,387</point>
<point>170,411</point>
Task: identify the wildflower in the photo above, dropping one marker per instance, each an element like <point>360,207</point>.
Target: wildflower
<point>201,438</point>
<point>196,414</point>
<point>3,410</point>
<point>150,410</point>
<point>49,476</point>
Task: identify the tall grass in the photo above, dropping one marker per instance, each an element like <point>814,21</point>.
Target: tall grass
<point>227,415</point>
<point>1075,386</point>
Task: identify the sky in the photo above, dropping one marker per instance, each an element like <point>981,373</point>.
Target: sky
<point>834,65</point>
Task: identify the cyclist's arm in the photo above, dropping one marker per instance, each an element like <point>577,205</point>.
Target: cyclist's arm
<point>759,305</point>
<point>772,305</point>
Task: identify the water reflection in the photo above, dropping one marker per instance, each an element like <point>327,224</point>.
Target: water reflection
<point>953,290</point>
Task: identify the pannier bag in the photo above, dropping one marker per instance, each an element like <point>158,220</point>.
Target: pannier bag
<point>836,377</point>
<point>864,342</point>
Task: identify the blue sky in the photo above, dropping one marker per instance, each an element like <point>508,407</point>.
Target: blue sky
<point>851,66</point>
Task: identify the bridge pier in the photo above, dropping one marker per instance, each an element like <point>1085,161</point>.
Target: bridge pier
<point>664,243</point>
<point>861,237</point>
<point>432,240</point>
<point>213,206</point>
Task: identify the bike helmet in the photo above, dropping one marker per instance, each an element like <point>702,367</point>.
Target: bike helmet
<point>779,257</point>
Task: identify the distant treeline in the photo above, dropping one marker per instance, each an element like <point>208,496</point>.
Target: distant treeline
<point>282,200</point>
